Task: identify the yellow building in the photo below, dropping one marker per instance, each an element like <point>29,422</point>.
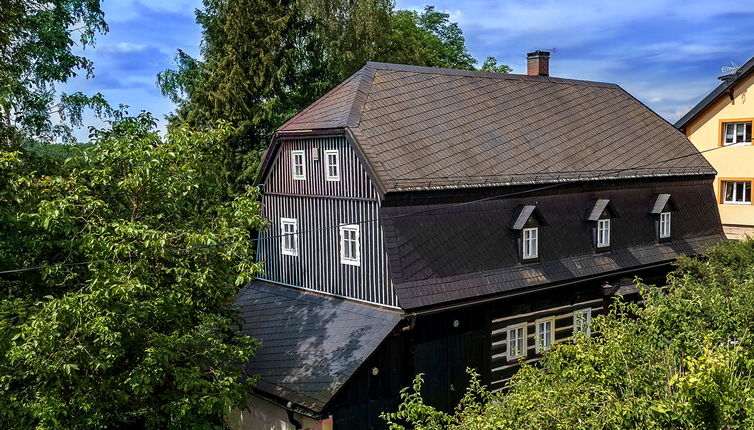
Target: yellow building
<point>720,126</point>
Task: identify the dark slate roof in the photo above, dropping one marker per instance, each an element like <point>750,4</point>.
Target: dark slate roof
<point>522,215</point>
<point>451,253</point>
<point>311,344</point>
<point>424,128</point>
<point>728,83</point>
<point>660,201</point>
<point>595,212</point>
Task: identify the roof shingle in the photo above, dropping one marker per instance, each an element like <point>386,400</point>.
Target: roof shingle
<point>427,128</point>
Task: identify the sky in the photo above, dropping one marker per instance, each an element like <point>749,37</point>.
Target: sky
<point>668,54</point>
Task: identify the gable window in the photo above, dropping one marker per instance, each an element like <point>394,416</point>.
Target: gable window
<point>545,334</point>
<point>530,242</point>
<point>603,233</point>
<point>350,249</point>
<point>516,341</point>
<point>298,160</point>
<point>736,192</point>
<point>664,225</point>
<point>289,236</point>
<point>332,165</point>
<point>737,133</point>
<point>582,319</point>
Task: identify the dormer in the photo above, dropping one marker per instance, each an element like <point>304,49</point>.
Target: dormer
<point>600,215</point>
<point>661,212</point>
<point>527,220</point>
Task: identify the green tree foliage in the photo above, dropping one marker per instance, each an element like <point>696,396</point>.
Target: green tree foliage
<point>684,360</point>
<point>261,62</point>
<point>128,324</point>
<point>37,40</point>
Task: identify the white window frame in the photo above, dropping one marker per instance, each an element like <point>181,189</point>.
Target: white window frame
<point>736,125</point>
<point>336,165</point>
<point>530,243</point>
<point>294,165</point>
<point>524,340</point>
<point>285,236</point>
<point>353,260</point>
<point>735,200</point>
<point>665,226</point>
<point>603,233</point>
<point>538,344</point>
<point>582,320</point>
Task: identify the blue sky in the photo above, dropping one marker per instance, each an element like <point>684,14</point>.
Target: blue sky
<point>666,53</point>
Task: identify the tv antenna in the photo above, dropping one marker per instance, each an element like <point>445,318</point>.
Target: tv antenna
<point>729,70</point>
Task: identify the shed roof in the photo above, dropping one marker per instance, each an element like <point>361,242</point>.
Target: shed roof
<point>427,128</point>
<point>312,344</point>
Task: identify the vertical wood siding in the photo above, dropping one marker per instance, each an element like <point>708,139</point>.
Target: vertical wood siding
<point>320,207</point>
<point>354,181</point>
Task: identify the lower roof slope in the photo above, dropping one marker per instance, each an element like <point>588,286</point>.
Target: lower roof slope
<point>428,128</point>
<point>449,253</point>
<point>311,344</point>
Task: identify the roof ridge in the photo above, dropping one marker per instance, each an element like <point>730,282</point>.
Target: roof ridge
<point>478,73</point>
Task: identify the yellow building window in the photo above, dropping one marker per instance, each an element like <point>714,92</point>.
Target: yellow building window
<point>736,192</point>
<point>736,133</point>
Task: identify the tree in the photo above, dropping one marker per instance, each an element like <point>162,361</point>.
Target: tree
<point>682,360</point>
<point>264,61</point>
<point>120,315</point>
<point>36,52</point>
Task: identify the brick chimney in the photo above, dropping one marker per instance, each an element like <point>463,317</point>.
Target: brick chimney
<point>538,63</point>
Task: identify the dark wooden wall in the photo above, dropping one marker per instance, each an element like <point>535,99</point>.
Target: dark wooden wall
<point>443,351</point>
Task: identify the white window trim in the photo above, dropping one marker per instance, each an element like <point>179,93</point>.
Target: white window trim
<point>356,261</point>
<point>735,193</point>
<point>534,239</point>
<point>537,347</point>
<point>328,153</point>
<point>283,235</point>
<point>604,240</point>
<point>582,320</point>
<point>302,176</point>
<point>665,233</point>
<point>523,352</point>
<point>736,124</point>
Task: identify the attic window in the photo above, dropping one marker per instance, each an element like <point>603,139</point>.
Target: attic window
<point>527,219</point>
<point>660,210</point>
<point>665,225</point>
<point>530,242</point>
<point>737,133</point>
<point>603,233</point>
<point>298,161</point>
<point>332,165</point>
<point>600,213</point>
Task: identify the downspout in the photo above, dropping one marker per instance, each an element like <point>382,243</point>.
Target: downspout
<point>291,418</point>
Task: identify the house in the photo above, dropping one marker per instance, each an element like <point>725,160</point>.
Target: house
<point>720,126</point>
<point>427,220</point>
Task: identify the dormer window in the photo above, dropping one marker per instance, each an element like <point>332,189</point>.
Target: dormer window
<point>332,165</point>
<point>737,133</point>
<point>530,243</point>
<point>600,214</point>
<point>603,233</point>
<point>665,225</point>
<point>662,206</point>
<point>527,219</point>
<point>298,164</point>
